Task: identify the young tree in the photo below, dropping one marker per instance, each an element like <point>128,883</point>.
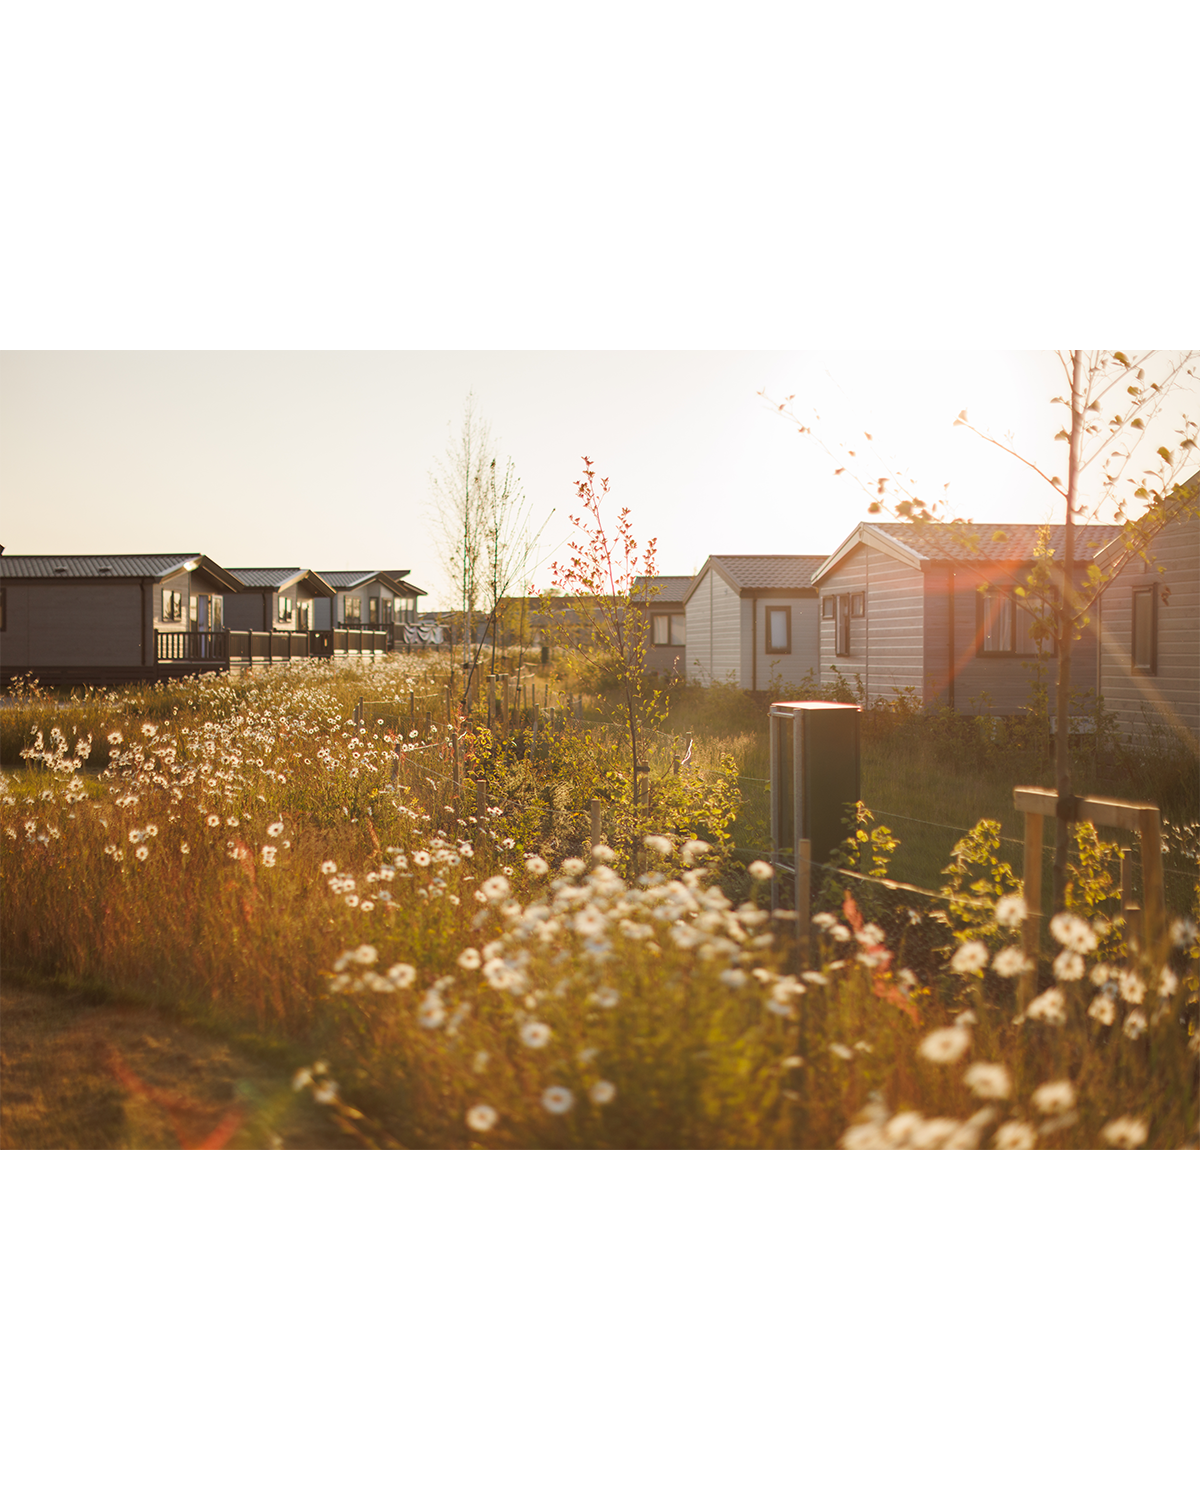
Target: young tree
<point>1061,599</point>
<point>600,572</point>
<point>458,486</point>
<point>481,521</point>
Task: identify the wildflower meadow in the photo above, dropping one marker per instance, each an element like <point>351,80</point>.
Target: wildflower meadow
<point>415,909</point>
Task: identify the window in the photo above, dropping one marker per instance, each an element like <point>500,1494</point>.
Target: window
<point>284,608</point>
<point>668,630</point>
<point>304,617</point>
<point>1004,627</point>
<point>373,610</point>
<point>216,611</point>
<point>841,608</point>
<point>172,604</point>
<point>843,625</point>
<point>389,612</point>
<point>352,612</point>
<point>779,630</point>
<point>194,609</point>
<point>1144,655</point>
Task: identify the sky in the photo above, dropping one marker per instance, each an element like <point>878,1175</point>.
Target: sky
<point>323,459</point>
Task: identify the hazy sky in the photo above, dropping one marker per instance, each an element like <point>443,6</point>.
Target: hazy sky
<point>323,459</point>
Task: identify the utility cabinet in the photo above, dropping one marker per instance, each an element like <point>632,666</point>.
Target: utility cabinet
<point>814,776</point>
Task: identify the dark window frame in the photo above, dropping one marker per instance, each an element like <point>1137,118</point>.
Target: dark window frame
<point>1014,604</point>
<point>777,609</point>
<point>1151,669</point>
<point>352,611</point>
<point>170,606</point>
<point>285,607</point>
<point>842,626</point>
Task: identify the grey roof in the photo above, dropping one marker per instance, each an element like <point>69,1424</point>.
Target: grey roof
<point>768,570</point>
<point>139,565</point>
<point>349,578</point>
<point>664,588</point>
<point>989,541</point>
<point>265,578</point>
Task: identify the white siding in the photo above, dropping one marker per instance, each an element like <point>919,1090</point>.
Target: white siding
<point>887,644</point>
<point>713,617</point>
<point>1170,698</point>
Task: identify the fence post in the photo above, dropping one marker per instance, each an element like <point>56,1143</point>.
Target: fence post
<point>1130,910</point>
<point>480,797</point>
<point>1153,912</point>
<point>1032,883</point>
<point>595,808</point>
<point>803,898</point>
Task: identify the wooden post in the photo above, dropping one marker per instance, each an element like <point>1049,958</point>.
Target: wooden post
<point>675,765</point>
<point>448,707</point>
<point>595,807</point>
<point>1141,818</point>
<point>803,899</point>
<point>457,768</point>
<point>1153,900</point>
<point>480,797</point>
<point>1032,882</point>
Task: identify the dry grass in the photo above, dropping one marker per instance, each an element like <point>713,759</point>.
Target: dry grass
<point>61,1090</point>
<point>247,860</point>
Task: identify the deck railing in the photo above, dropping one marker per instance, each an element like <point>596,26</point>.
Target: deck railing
<point>220,647</point>
<point>191,645</point>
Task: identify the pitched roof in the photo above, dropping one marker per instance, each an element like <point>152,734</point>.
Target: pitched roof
<point>758,570</point>
<point>971,542</point>
<point>352,578</point>
<point>278,578</point>
<point>665,588</point>
<point>266,578</point>
<point>994,541</point>
<point>153,565</point>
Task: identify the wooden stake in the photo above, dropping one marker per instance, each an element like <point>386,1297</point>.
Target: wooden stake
<point>803,899</point>
<point>1031,932</point>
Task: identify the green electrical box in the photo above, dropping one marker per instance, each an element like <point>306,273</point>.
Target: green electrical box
<point>814,777</point>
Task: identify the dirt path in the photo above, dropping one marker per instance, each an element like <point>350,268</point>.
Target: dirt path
<point>76,1075</point>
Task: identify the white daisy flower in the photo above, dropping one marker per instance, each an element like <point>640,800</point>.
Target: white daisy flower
<point>1054,1098</point>
<point>535,1033</point>
<point>988,1080</point>
<point>1015,1135</point>
<point>1127,1132</point>
<point>759,870</point>
<point>1103,1009</point>
<point>945,1045</point>
<point>557,1100</point>
<point>481,1117</point>
<point>1011,910</point>
<point>971,958</point>
<point>602,1092</point>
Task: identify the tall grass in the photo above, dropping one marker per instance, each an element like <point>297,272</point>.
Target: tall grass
<point>251,855</point>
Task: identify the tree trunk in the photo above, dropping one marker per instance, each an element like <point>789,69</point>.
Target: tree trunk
<point>1065,632</point>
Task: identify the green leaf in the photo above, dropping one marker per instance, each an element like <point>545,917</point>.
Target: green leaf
<point>1062,436</point>
<point>1137,422</point>
<point>1164,454</point>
